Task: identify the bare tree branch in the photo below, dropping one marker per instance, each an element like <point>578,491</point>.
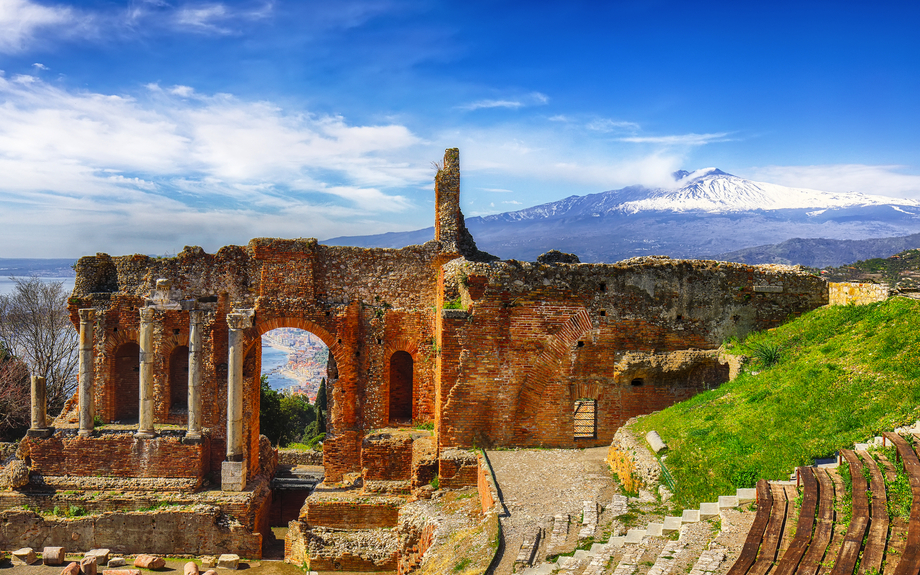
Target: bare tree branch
<point>36,327</point>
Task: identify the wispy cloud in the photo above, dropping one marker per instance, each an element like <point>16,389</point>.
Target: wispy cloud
<point>607,125</point>
<point>532,99</point>
<point>886,180</point>
<point>22,20</point>
<point>498,190</point>
<point>679,139</point>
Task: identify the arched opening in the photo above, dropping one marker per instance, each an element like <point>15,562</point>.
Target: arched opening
<point>178,379</point>
<point>401,388</point>
<point>293,410</point>
<point>126,378</point>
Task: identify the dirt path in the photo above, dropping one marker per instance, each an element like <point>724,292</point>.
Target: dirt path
<point>536,484</point>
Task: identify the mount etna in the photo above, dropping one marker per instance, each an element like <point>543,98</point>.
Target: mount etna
<point>707,214</point>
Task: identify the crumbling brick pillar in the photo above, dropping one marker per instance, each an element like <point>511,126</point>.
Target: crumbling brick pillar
<point>447,201</point>
<point>233,474</point>
<point>145,428</point>
<point>87,319</point>
<point>194,375</point>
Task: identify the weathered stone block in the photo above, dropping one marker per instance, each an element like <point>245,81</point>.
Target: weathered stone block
<point>116,562</point>
<point>149,562</point>
<point>190,568</point>
<point>72,568</point>
<point>210,572</point>
<point>89,565</point>
<point>53,555</point>
<point>24,556</point>
<point>228,561</point>
<point>232,476</point>
<point>208,562</point>
<point>121,572</point>
<point>101,555</point>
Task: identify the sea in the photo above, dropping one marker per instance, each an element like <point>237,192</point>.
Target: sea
<point>7,285</point>
<point>273,359</point>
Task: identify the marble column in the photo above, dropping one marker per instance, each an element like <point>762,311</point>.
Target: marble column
<point>194,375</point>
<point>86,373</point>
<point>233,472</point>
<point>145,428</point>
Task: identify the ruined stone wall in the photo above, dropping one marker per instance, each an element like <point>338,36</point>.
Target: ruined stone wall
<point>844,293</point>
<point>198,531</point>
<point>634,337</point>
<point>365,304</point>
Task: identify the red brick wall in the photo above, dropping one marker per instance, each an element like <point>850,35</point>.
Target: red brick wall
<point>350,514</point>
<point>386,458</point>
<point>118,455</point>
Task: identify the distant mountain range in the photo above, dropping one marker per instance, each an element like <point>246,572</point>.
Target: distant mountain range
<point>708,213</point>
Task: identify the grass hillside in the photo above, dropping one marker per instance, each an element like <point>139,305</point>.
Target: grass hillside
<point>832,377</point>
<point>900,271</point>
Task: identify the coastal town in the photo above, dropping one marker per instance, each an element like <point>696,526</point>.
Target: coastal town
<point>294,360</point>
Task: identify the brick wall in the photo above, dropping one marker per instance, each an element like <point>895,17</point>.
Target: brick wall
<point>386,457</point>
<point>350,514</point>
<point>119,455</point>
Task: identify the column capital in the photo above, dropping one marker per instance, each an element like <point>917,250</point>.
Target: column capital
<point>147,314</point>
<point>87,314</point>
<point>240,319</point>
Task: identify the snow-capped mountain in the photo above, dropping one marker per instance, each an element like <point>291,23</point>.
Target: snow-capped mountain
<point>708,190</point>
<point>706,212</point>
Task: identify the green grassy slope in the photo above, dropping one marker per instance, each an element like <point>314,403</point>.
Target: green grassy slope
<point>844,374</point>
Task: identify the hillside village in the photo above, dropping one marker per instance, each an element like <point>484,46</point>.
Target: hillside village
<point>648,417</point>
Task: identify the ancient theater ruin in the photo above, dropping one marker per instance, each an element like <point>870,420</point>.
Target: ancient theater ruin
<point>527,354</point>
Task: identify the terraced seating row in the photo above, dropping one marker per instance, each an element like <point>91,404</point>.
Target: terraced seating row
<point>823,543</point>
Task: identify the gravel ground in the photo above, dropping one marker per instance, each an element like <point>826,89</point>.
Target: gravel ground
<point>536,484</point>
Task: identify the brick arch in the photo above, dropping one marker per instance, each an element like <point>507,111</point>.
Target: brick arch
<point>110,396</point>
<point>254,334</point>
<point>545,369</point>
<point>410,346</point>
<point>169,344</point>
<point>116,339</point>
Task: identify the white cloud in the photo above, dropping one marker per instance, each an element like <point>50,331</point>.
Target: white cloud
<point>512,202</point>
<point>22,20</point>
<point>885,180</point>
<point>498,190</point>
<point>40,66</point>
<point>532,99</point>
<point>679,140</point>
<point>72,152</point>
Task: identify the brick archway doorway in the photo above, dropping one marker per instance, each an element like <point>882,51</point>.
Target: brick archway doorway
<point>126,371</point>
<point>400,403</point>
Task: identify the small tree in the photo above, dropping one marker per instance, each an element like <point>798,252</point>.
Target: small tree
<point>15,395</point>
<point>36,326</point>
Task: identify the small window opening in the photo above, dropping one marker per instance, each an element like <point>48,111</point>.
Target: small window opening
<point>603,313</point>
<point>637,382</point>
<point>581,344</point>
<point>601,287</point>
<point>327,313</point>
<point>586,419</point>
<point>175,332</point>
<point>114,330</point>
<point>679,317</point>
<point>340,340</point>
<point>379,341</point>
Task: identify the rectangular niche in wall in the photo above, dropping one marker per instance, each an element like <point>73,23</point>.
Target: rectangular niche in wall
<point>586,419</point>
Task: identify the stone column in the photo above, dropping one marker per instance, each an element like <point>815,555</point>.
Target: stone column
<point>86,373</point>
<point>194,375</point>
<point>39,426</point>
<point>233,474</point>
<point>145,428</point>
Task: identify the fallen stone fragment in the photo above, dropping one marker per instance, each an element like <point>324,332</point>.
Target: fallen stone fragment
<point>72,568</point>
<point>149,562</point>
<point>89,565</point>
<point>210,572</point>
<point>121,572</point>
<point>116,562</point>
<point>24,556</point>
<point>208,562</point>
<point>228,561</point>
<point>102,555</point>
<point>191,568</point>
<point>53,556</point>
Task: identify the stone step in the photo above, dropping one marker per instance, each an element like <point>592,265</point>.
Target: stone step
<point>746,495</point>
<point>728,501</point>
<point>690,516</point>
<point>529,547</point>
<point>619,505</point>
<point>671,524</point>
<point>634,536</point>
<point>709,510</point>
<point>666,559</point>
<point>655,529</point>
<point>708,562</point>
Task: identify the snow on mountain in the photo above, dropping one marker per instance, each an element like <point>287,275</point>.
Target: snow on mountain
<point>709,190</point>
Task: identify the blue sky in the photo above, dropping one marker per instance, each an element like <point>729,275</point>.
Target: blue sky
<point>147,125</point>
